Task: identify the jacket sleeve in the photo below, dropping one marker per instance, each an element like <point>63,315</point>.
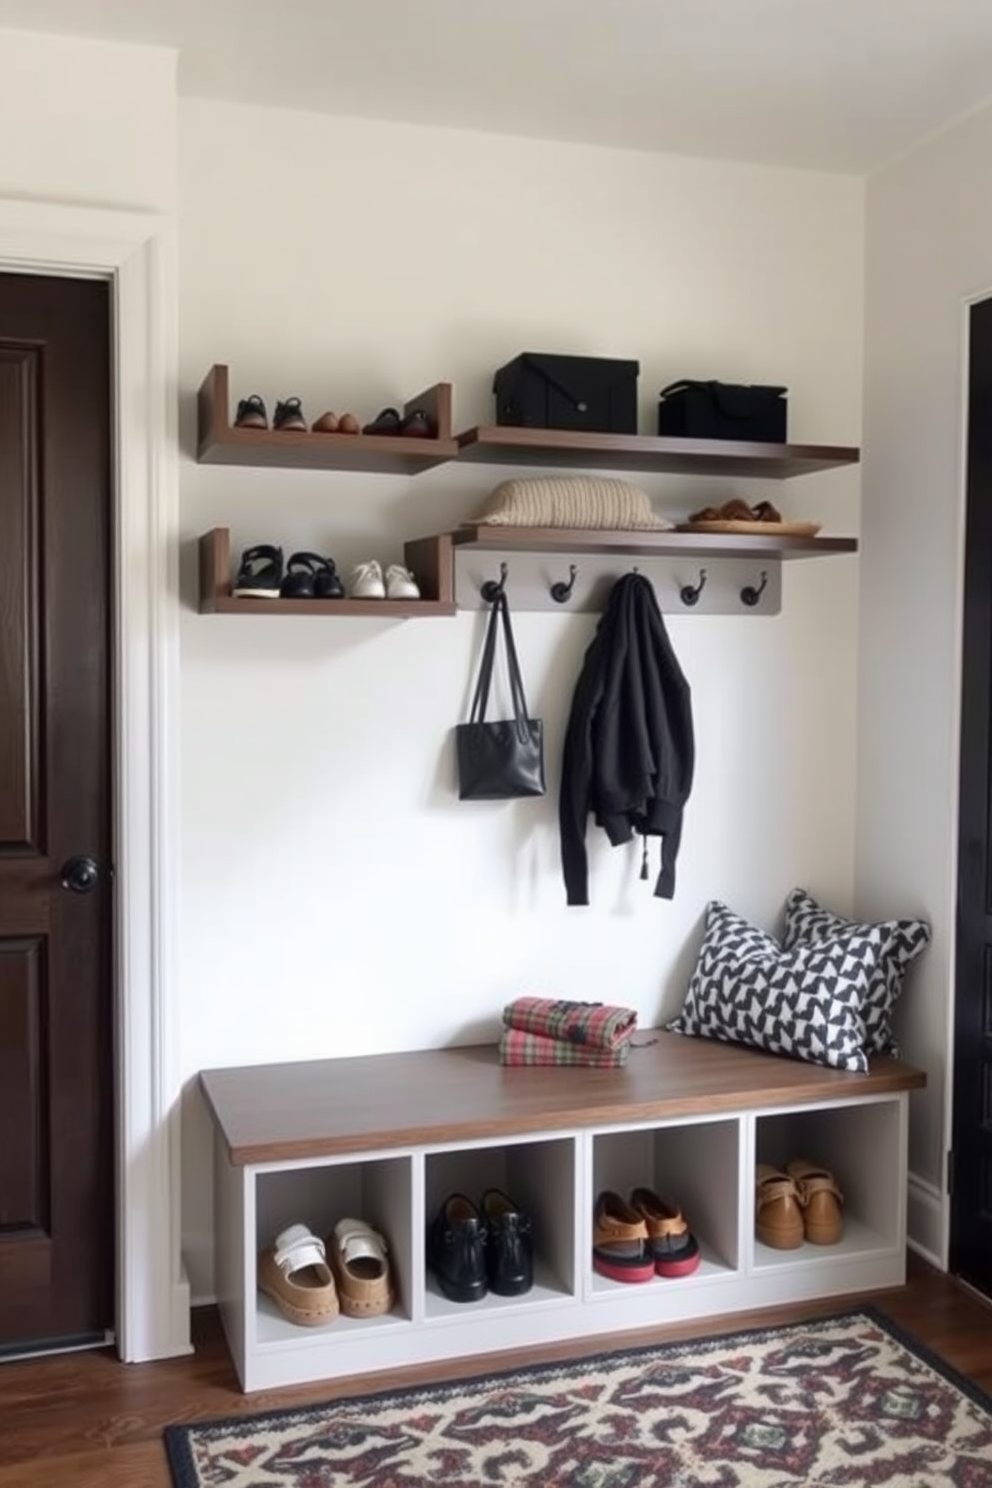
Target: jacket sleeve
<point>578,763</point>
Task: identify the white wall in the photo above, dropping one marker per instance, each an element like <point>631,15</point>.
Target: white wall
<point>337,897</point>
<point>929,228</point>
<point>87,122</point>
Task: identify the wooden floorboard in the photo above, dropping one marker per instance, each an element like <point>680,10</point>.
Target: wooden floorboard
<point>87,1421</point>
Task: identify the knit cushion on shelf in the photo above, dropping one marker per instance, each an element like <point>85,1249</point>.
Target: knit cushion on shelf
<point>571,501</point>
<point>807,922</point>
<point>805,1002</point>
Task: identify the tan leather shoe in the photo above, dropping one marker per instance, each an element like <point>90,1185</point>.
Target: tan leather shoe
<point>348,424</point>
<point>778,1217</point>
<point>361,1269</point>
<point>326,424</point>
<point>820,1200</point>
<point>295,1274</point>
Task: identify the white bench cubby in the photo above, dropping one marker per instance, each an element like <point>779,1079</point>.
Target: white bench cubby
<point>386,1137</point>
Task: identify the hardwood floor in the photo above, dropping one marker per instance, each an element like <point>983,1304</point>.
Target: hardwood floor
<point>87,1421</point>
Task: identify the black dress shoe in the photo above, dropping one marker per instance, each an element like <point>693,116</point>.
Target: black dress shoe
<point>456,1249</point>
<point>386,422</point>
<point>418,425</point>
<point>509,1247</point>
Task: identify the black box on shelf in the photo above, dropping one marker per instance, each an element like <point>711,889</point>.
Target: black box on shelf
<point>723,410</point>
<point>543,391</point>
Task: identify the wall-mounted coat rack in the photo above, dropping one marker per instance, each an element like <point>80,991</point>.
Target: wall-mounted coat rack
<point>562,571</point>
<point>543,581</point>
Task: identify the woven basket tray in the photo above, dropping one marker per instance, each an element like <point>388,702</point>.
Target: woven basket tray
<point>757,529</point>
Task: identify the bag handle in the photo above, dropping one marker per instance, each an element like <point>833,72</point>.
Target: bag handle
<point>500,613</point>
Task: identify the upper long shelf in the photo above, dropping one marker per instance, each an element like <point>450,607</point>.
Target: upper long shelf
<point>646,543</point>
<point>222,443</point>
<point>496,444</point>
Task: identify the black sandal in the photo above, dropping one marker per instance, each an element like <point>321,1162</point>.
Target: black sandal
<point>309,576</point>
<point>289,415</point>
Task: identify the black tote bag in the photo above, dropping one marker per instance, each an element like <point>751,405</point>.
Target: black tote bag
<point>502,759</point>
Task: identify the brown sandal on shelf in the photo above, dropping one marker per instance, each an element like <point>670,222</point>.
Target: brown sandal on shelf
<point>821,1201</point>
<point>778,1217</point>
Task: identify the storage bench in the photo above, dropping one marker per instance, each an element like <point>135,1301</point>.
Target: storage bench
<point>385,1137</point>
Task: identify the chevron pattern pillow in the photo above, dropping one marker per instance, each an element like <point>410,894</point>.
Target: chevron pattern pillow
<point>902,941</point>
<point>804,1002</point>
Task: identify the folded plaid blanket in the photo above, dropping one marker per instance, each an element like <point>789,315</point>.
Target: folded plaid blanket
<point>516,1047</point>
<point>597,1025</point>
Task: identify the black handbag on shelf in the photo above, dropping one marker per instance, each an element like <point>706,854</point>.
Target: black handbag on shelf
<point>538,390</point>
<point>504,758</point>
<point>723,410</point>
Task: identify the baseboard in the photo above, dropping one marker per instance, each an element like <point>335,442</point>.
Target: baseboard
<point>925,1221</point>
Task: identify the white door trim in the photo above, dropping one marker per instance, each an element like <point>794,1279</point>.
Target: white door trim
<point>136,252</point>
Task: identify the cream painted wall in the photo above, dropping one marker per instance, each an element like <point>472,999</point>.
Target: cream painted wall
<point>87,122</point>
<point>929,231</point>
<point>337,897</point>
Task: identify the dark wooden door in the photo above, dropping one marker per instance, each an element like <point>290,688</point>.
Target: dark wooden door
<point>971,1168</point>
<point>56,1000</point>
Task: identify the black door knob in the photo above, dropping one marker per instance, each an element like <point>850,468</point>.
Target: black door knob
<point>80,875</point>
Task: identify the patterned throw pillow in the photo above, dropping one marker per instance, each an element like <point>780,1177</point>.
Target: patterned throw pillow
<point>805,1002</point>
<point>902,941</point>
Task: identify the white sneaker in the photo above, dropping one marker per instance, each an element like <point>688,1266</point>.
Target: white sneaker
<point>400,583</point>
<point>366,581</point>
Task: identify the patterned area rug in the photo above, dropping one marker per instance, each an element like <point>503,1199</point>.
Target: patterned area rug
<point>838,1402</point>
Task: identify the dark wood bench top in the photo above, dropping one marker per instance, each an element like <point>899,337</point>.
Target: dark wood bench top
<point>277,1112</point>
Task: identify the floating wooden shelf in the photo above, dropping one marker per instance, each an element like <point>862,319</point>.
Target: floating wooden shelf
<point>683,544</point>
<point>429,558</point>
<point>494,444</point>
<point>222,443</point>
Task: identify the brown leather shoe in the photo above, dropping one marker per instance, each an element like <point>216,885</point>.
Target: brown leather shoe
<point>326,424</point>
<point>778,1217</point>
<point>348,424</point>
<point>820,1200</point>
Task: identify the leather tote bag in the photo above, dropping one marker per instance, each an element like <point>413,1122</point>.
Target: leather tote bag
<point>501,759</point>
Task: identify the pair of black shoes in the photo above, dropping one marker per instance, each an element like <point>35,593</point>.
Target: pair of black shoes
<point>251,414</point>
<point>417,424</point>
<point>474,1250</point>
<point>261,575</point>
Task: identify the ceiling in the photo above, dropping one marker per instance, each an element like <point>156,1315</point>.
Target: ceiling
<point>840,85</point>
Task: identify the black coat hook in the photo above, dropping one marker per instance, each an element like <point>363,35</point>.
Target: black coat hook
<point>491,591</point>
<point>689,593</point>
<point>561,592</point>
<point>750,595</point>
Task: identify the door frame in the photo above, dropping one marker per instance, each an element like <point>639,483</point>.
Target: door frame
<point>136,253</point>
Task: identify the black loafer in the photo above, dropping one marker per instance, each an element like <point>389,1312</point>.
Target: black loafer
<point>418,424</point>
<point>386,422</point>
<point>509,1247</point>
<point>456,1249</point>
<point>260,573</point>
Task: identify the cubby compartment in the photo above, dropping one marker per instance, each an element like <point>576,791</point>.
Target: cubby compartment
<point>695,1165</point>
<point>539,1176</point>
<point>863,1145</point>
<point>377,1190</point>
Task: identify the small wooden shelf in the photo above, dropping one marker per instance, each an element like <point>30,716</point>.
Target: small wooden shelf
<point>429,559</point>
<point>494,444</point>
<point>647,544</point>
<point>222,443</point>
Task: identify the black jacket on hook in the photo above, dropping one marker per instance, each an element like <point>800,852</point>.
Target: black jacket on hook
<point>629,748</point>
